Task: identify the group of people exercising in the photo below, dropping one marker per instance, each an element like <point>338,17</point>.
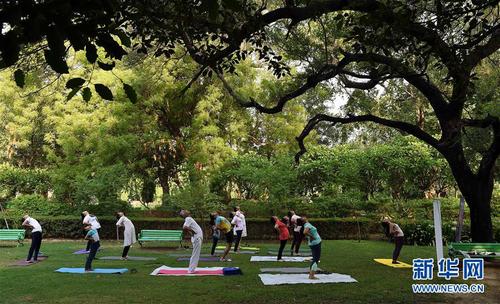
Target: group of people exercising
<point>233,230</point>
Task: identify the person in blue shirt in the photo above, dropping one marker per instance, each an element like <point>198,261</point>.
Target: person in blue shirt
<point>314,242</point>
<point>93,236</point>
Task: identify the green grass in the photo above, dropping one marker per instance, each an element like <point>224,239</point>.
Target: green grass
<point>40,284</point>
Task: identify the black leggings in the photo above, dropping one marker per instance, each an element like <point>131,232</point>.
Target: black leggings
<point>238,239</point>
<point>282,247</point>
<point>398,241</point>
<point>93,251</point>
<point>89,243</point>
<point>316,253</point>
<point>36,242</point>
<point>125,251</point>
<point>215,240</point>
<point>297,240</point>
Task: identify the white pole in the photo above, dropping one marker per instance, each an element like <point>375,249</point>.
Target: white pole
<point>460,222</point>
<point>437,229</point>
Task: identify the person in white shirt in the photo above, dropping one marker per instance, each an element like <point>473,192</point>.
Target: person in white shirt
<point>36,238</point>
<point>128,234</point>
<point>297,232</point>
<point>90,219</point>
<point>238,230</point>
<point>241,215</point>
<point>191,227</point>
<point>393,229</point>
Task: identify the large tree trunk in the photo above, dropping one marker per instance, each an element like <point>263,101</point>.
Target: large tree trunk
<point>477,190</point>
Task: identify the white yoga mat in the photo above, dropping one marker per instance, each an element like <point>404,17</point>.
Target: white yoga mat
<point>257,258</point>
<point>157,270</point>
<point>280,279</point>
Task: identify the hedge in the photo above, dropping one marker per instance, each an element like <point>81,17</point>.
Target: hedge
<point>421,233</point>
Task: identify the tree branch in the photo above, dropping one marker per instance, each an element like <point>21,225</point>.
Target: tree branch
<point>327,72</point>
<point>483,51</point>
<point>400,125</point>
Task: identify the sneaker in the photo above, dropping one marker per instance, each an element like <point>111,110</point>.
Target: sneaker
<point>88,270</point>
<point>395,262</point>
<point>225,260</point>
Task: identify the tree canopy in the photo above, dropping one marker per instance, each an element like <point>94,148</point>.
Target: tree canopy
<point>435,52</point>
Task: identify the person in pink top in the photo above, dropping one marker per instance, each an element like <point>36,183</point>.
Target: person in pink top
<point>282,229</point>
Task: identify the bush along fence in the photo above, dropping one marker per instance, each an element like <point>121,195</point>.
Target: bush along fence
<point>421,233</point>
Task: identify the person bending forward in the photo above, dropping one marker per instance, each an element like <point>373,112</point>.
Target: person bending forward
<point>314,242</point>
<point>92,236</point>
<point>393,229</point>
<point>194,229</point>
<point>36,238</point>
<point>224,226</point>
<point>129,237</point>
<point>283,234</point>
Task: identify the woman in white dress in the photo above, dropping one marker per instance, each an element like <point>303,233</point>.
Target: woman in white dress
<point>129,237</point>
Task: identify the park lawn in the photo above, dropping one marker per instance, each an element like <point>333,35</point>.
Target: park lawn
<point>40,284</point>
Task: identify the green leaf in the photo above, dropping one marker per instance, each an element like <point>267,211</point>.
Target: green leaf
<point>73,93</point>
<point>106,66</point>
<point>131,94</point>
<point>86,94</point>
<point>19,78</point>
<point>103,91</point>
<point>91,53</point>
<point>75,83</point>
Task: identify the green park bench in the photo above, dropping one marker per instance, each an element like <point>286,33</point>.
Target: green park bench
<point>161,236</point>
<point>12,235</point>
<point>474,250</point>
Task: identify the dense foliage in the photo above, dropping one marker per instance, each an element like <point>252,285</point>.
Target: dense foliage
<point>421,68</point>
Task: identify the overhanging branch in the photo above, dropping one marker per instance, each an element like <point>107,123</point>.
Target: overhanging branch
<point>400,125</point>
<point>327,72</point>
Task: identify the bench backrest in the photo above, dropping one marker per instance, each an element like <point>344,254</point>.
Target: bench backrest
<point>492,247</point>
<point>12,234</point>
<point>161,233</point>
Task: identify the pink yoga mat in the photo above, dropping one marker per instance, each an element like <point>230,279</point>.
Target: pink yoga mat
<point>185,272</point>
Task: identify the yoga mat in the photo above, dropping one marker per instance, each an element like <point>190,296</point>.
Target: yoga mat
<point>285,253</point>
<point>183,271</point>
<point>202,259</point>
<point>288,270</point>
<point>24,263</point>
<point>83,251</point>
<point>388,262</point>
<point>130,258</point>
<point>241,252</point>
<point>97,270</point>
<point>241,248</point>
<point>257,258</point>
<point>280,279</point>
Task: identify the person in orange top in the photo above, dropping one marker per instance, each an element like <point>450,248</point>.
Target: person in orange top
<point>282,229</point>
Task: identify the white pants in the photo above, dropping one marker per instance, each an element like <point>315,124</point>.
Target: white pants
<point>195,256</point>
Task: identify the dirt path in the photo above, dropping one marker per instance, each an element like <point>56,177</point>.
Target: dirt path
<point>492,292</point>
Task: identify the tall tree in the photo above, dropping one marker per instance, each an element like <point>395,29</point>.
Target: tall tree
<point>362,43</point>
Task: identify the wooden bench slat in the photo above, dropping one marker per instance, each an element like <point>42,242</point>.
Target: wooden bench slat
<point>160,235</point>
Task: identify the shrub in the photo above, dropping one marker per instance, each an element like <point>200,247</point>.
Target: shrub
<point>35,204</point>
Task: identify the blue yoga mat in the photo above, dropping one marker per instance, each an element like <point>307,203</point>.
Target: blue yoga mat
<point>97,270</point>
